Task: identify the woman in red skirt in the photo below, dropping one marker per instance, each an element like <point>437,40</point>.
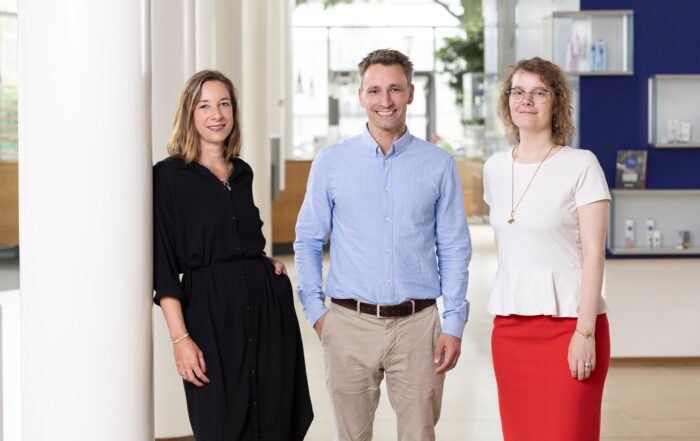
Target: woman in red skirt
<point>549,209</point>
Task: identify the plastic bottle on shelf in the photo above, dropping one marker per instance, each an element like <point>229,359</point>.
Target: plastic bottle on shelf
<point>570,58</point>
<point>592,56</point>
<point>650,232</point>
<point>629,233</point>
<point>601,55</point>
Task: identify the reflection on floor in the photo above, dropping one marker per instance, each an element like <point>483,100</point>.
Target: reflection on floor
<point>640,403</point>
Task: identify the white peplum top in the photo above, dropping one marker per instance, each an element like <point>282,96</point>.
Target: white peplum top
<point>539,255</point>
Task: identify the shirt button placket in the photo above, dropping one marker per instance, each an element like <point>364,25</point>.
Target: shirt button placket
<point>233,224</point>
<point>388,231</point>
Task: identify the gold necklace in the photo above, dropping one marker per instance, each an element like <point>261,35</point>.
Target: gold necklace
<point>514,206</point>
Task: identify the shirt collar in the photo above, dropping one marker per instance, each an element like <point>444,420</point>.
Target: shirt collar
<point>399,145</point>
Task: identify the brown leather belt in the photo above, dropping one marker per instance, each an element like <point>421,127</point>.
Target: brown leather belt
<point>388,311</point>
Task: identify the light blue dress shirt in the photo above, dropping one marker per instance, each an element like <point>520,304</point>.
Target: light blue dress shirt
<point>396,224</point>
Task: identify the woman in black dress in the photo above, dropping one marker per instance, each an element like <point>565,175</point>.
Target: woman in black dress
<point>231,319</point>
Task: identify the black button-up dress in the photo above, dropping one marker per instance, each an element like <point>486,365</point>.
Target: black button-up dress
<point>239,312</point>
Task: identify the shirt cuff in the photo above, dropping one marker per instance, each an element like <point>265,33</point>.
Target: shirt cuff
<point>175,292</point>
<point>453,326</point>
<point>315,312</point>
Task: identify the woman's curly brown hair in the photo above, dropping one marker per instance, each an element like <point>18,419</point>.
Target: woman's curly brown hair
<point>562,108</point>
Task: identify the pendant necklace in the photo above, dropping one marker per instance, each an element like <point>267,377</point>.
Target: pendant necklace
<point>223,181</point>
<point>513,205</point>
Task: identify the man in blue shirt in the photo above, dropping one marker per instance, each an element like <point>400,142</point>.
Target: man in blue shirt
<point>393,207</point>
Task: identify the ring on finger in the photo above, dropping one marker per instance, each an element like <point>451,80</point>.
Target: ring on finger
<point>588,365</point>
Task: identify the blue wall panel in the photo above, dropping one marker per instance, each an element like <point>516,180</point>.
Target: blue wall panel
<point>613,110</point>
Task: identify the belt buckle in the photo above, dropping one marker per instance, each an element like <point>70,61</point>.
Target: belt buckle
<point>379,314</point>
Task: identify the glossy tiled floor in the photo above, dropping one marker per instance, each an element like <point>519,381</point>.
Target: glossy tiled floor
<point>640,403</point>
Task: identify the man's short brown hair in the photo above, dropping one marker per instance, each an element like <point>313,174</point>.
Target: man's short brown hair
<point>386,57</point>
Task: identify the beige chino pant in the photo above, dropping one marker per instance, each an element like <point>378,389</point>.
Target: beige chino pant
<point>359,349</point>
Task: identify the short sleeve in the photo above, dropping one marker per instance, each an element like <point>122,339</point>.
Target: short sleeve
<point>591,185</point>
<point>166,277</point>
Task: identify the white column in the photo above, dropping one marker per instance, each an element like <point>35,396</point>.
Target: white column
<point>254,98</point>
<point>10,392</point>
<point>85,220</point>
<point>289,80</point>
<point>174,57</point>
<point>279,58</point>
<point>232,38</point>
<point>173,63</point>
<point>219,37</point>
<point>499,35</point>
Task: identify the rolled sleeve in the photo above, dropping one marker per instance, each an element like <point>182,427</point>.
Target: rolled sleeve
<point>166,277</point>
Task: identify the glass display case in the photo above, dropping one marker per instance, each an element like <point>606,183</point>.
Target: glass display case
<point>674,119</point>
<point>591,42</point>
<point>654,222</point>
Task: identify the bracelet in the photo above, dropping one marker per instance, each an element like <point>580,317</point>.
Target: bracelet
<point>180,338</point>
<point>587,333</point>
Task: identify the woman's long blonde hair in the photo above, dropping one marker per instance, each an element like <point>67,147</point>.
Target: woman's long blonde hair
<point>184,139</point>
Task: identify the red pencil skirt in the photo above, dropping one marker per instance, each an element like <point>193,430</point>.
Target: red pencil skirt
<point>537,397</point>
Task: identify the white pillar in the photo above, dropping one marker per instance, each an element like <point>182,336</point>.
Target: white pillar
<point>10,368</point>
<point>219,37</point>
<point>85,220</point>
<point>289,80</point>
<point>279,79</point>
<point>254,98</point>
<point>173,63</point>
<point>499,35</point>
<point>232,38</point>
<point>174,57</point>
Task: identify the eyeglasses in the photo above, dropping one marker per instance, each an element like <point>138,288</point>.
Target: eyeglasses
<point>539,95</point>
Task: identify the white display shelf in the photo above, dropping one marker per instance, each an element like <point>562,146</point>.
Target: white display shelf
<point>669,100</point>
<point>695,251</point>
<point>671,210</point>
<point>575,38</point>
